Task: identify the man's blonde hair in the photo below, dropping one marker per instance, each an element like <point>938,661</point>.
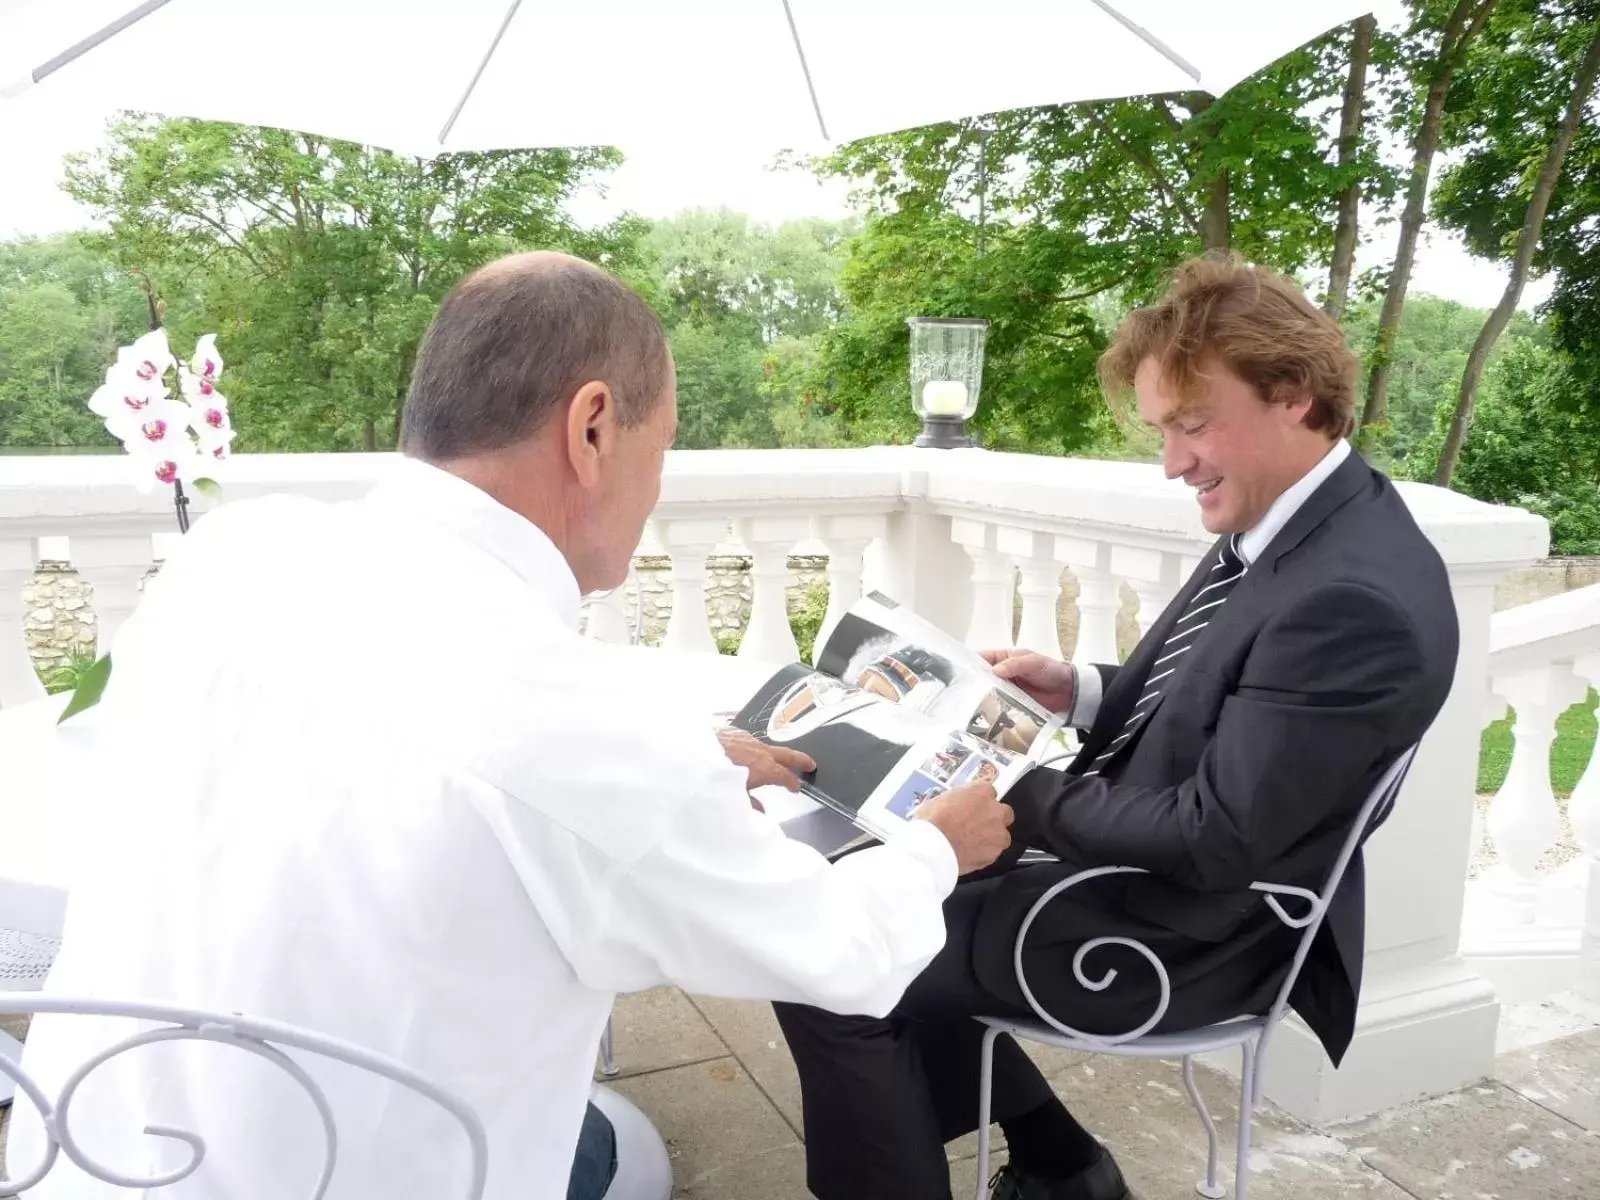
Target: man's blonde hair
<point>1253,321</point>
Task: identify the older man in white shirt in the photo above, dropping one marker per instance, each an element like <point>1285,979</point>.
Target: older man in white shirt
<point>358,772</point>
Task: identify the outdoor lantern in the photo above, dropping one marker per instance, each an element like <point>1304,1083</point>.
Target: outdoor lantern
<point>946,373</point>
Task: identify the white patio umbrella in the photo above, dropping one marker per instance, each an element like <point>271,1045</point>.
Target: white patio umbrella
<point>426,76</point>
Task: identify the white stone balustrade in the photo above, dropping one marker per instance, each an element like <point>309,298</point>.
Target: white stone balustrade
<point>1534,932</point>
<point>961,536</point>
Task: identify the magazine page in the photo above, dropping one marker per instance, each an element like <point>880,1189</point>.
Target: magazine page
<point>878,761</point>
<point>880,647</point>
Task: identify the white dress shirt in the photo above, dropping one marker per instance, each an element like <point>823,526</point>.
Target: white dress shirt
<point>1254,540</point>
<point>359,773</point>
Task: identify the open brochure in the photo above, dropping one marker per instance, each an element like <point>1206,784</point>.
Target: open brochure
<point>894,713</point>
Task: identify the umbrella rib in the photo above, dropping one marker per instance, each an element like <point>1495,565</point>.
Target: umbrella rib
<point>455,112</point>
<point>84,45</point>
<point>1150,39</point>
<point>805,69</point>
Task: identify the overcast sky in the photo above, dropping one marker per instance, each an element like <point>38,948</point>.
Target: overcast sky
<point>656,181</point>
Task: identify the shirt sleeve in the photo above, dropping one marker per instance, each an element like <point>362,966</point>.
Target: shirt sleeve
<point>725,904</point>
<point>1086,703</point>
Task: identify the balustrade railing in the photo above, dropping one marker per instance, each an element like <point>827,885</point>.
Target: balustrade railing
<point>1536,930</point>
<point>980,543</point>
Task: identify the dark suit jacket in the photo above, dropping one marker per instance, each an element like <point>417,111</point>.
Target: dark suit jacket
<point>1332,655</point>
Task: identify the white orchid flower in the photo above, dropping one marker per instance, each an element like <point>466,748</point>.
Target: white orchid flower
<point>149,358</point>
<point>161,428</point>
<point>206,363</point>
<point>124,395</point>
<point>185,463</point>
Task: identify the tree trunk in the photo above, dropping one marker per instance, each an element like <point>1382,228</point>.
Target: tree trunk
<point>1216,232</point>
<point>1527,243</point>
<point>1465,21</point>
<point>369,435</point>
<point>1344,237</point>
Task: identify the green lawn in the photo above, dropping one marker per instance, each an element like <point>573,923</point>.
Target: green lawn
<point>1575,732</point>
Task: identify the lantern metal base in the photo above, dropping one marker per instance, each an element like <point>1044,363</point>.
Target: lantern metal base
<point>944,433</point>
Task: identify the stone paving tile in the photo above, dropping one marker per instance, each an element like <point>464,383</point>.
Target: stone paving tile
<point>1562,1076</point>
<point>712,1117</point>
<point>1139,1109</point>
<point>658,1029</point>
<point>775,1175</point>
<point>751,1031</point>
<point>1485,1141</point>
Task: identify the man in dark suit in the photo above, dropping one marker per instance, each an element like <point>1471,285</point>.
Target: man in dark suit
<point>1315,642</point>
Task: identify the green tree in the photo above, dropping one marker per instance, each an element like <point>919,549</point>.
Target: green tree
<point>743,304</point>
<point>1427,356</point>
<point>1534,443</point>
<point>319,263</point>
<point>1524,190</point>
<point>63,311</point>
<point>1026,217</point>
<point>1441,33</point>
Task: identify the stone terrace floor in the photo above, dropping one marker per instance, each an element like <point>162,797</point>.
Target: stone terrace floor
<point>717,1080</point>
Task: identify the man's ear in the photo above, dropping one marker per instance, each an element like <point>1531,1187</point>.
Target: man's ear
<point>591,430</point>
<point>1295,399</point>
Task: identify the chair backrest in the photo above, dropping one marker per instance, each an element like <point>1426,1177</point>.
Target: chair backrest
<point>261,1038</point>
<point>1374,811</point>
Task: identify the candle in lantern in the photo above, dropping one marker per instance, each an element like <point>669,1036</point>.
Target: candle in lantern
<point>944,398</point>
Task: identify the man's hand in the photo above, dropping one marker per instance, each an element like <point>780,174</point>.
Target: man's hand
<point>765,764</point>
<point>1053,684</point>
<point>976,824</point>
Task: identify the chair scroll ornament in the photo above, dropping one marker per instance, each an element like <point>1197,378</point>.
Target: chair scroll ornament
<point>257,1037</point>
<point>1093,985</point>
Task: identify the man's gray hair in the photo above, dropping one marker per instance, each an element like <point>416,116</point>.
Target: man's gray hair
<point>514,341</point>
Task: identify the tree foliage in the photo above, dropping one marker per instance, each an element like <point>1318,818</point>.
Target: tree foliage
<point>1024,217</point>
<point>319,263</point>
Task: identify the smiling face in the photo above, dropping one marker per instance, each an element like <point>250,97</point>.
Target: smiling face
<point>1237,451</point>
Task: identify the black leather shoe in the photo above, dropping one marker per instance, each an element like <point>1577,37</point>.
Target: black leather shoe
<point>1100,1180</point>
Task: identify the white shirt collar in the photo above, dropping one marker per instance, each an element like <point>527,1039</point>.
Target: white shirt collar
<point>429,493</point>
<point>1259,536</point>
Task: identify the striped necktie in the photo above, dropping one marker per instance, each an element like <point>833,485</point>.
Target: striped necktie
<point>1229,569</point>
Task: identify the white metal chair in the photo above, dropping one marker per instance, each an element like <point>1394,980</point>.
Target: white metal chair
<point>261,1038</point>
<point>1249,1033</point>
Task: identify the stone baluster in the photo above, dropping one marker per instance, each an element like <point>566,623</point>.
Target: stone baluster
<point>19,682</point>
<point>1099,599</point>
<point>689,543</point>
<point>768,636</point>
<point>113,564</point>
<point>1039,586</point>
<point>846,539</point>
<point>992,584</point>
<point>1583,810</point>
<point>1153,575</point>
<point>1523,818</point>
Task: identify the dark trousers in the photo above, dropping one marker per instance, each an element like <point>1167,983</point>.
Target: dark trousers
<point>881,1097</point>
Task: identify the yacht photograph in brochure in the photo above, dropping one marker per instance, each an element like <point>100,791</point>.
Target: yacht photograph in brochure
<point>894,713</point>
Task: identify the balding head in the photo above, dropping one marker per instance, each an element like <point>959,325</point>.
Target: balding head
<point>513,343</point>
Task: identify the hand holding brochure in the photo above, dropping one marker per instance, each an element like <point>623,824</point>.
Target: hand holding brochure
<point>894,713</point>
